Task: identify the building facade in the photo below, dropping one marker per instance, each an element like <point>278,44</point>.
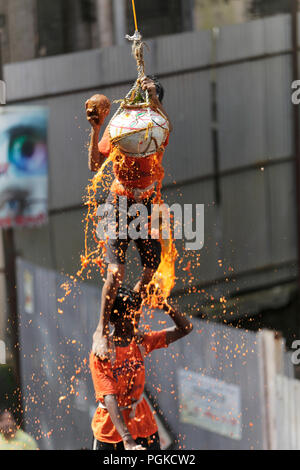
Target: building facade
<point>32,29</point>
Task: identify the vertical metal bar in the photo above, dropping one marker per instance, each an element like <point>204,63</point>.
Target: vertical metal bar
<point>296,117</point>
<point>104,13</point>
<point>1,61</point>
<point>268,358</point>
<point>120,21</point>
<point>187,10</point>
<point>214,117</point>
<point>11,293</point>
<point>65,26</point>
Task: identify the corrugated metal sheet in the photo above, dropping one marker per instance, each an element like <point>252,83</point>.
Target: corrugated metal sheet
<point>259,37</point>
<point>189,154</point>
<point>244,220</point>
<point>255,112</point>
<point>281,209</point>
<point>210,351</point>
<point>104,67</point>
<point>55,348</point>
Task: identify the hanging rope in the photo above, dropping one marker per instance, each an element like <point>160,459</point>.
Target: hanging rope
<point>138,54</point>
<point>134,16</point>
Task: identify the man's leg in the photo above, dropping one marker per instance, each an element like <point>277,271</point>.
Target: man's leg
<point>115,256</point>
<point>150,253</point>
<point>115,276</point>
<point>98,445</point>
<point>146,277</point>
<point>150,443</point>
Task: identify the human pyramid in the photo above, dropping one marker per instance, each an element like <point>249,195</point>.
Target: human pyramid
<point>134,141</point>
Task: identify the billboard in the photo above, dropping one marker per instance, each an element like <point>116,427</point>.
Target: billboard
<point>210,403</point>
<point>23,166</point>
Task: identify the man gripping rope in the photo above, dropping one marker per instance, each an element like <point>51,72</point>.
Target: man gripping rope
<point>135,179</point>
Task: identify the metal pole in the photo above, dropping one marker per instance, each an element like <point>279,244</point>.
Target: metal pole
<point>187,10</point>
<point>12,326</point>
<point>120,21</point>
<point>105,26</point>
<point>296,117</point>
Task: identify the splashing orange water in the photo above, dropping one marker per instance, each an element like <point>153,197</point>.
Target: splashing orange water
<point>164,279</point>
<point>95,256</point>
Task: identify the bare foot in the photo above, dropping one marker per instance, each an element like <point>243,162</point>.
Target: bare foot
<point>130,444</point>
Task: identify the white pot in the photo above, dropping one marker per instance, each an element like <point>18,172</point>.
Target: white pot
<point>146,140</point>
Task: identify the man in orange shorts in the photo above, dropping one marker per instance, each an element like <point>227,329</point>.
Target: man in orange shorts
<point>123,419</point>
<point>135,181</point>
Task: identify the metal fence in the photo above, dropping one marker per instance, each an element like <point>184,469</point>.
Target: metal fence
<point>219,388</point>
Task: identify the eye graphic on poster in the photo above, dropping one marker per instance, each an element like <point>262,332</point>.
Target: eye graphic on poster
<point>23,166</point>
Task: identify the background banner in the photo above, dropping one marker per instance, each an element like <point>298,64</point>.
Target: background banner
<point>23,166</point>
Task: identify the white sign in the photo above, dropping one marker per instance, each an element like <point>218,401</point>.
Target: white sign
<point>210,404</point>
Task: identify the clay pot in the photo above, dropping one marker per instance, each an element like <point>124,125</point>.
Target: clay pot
<point>139,132</point>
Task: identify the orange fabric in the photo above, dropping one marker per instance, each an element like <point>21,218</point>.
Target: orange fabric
<point>132,172</point>
<point>125,378</point>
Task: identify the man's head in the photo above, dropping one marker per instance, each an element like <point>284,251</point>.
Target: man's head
<point>8,426</point>
<point>125,312</point>
<point>159,88</point>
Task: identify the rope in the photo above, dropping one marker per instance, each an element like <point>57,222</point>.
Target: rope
<point>134,16</point>
<point>132,99</point>
<point>138,54</point>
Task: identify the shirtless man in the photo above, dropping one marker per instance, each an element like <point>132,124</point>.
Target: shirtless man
<point>143,173</point>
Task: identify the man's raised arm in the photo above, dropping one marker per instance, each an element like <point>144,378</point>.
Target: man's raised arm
<point>97,109</point>
<point>182,325</point>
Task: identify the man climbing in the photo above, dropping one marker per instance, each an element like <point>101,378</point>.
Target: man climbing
<point>135,181</point>
<point>123,419</point>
